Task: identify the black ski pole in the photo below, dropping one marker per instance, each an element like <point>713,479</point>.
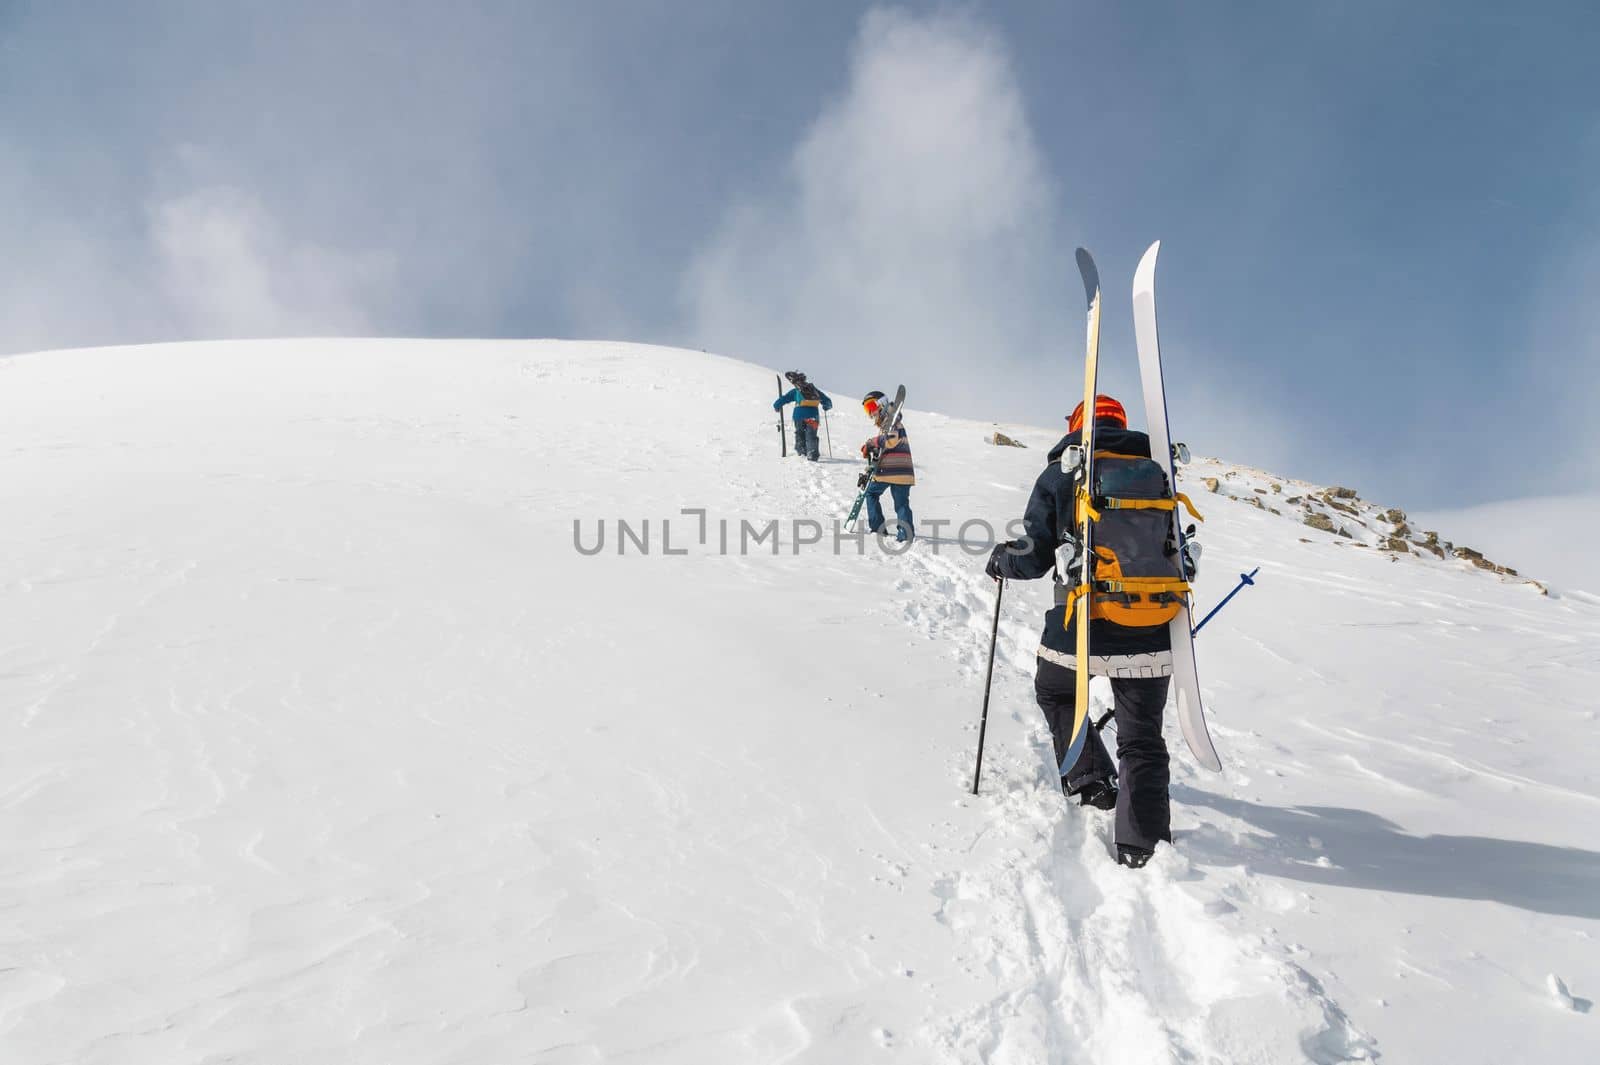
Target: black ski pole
<point>783,437</point>
<point>988,681</point>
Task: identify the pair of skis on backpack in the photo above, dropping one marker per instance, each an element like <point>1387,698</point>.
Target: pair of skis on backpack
<point>1185,678</point>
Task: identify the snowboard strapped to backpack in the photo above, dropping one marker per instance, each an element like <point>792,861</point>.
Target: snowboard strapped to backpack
<point>1137,579</point>
<point>810,398</point>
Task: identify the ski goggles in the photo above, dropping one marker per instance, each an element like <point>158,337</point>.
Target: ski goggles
<point>872,407</point>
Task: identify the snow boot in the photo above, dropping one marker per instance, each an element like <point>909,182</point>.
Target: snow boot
<point>1101,794</point>
<point>1131,856</point>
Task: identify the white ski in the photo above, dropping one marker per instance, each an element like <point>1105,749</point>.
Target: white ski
<point>1185,677</point>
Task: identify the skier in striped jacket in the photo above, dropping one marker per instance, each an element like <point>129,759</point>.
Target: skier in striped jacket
<point>891,448</point>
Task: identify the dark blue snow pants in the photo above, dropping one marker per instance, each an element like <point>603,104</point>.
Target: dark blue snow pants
<point>901,494</point>
<point>805,440</point>
<point>1142,769</point>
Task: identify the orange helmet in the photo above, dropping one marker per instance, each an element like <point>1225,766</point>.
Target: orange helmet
<point>1106,409</point>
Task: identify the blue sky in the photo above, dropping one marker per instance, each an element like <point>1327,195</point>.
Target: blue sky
<point>1379,220</point>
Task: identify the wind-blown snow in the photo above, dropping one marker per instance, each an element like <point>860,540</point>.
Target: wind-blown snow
<point>1546,535</point>
<point>322,743</point>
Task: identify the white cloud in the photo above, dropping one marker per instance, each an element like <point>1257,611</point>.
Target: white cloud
<point>911,230</point>
<point>208,261</point>
<point>228,270</point>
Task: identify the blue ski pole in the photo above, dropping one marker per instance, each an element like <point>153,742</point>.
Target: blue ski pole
<point>1244,579</point>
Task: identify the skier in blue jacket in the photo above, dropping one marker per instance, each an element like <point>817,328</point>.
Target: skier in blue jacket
<point>807,398</point>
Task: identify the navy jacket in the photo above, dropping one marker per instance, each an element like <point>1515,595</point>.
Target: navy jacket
<point>1049,514</point>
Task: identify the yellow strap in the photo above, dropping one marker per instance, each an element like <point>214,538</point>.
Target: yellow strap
<point>1111,503</point>
<point>1145,584</point>
<point>1074,593</point>
<point>1088,507</point>
<point>1189,506</point>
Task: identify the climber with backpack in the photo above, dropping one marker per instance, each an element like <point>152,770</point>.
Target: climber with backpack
<point>809,401</point>
<point>1136,588</point>
<point>889,457</point>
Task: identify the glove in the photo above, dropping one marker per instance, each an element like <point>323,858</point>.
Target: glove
<point>861,480</point>
<point>995,557</point>
<point>863,450</point>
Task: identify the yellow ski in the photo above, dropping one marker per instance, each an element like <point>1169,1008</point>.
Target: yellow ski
<point>1080,604</point>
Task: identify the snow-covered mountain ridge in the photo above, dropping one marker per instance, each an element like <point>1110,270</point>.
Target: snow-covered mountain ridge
<point>321,741</point>
<point>1341,512</point>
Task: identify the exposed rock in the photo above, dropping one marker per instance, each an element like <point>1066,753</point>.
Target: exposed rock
<point>1254,502</point>
<point>1394,516</point>
<point>1341,493</point>
<point>1322,522</point>
<point>1346,534</point>
<point>1434,547</point>
<point>1277,489</point>
<point>1345,508</point>
<point>1292,500</point>
<point>1002,440</point>
<point>1398,544</point>
<point>1477,559</point>
<point>1213,485</point>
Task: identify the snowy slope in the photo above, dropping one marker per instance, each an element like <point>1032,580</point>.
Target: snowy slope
<point>322,743</point>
